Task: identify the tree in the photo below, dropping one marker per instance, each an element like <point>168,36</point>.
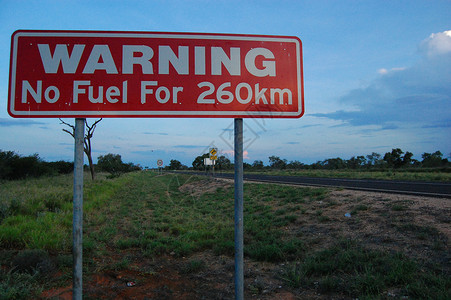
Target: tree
<point>276,163</point>
<point>87,141</point>
<point>111,163</point>
<point>373,159</point>
<point>356,162</point>
<point>175,165</point>
<point>295,165</point>
<point>223,163</point>
<point>433,159</point>
<point>7,161</point>
<point>394,158</point>
<point>257,164</point>
<point>198,163</point>
<point>13,166</point>
<point>334,163</point>
<point>407,159</point>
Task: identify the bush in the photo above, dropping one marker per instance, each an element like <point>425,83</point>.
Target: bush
<point>33,260</point>
<point>61,167</point>
<point>14,285</point>
<point>112,163</point>
<point>14,166</point>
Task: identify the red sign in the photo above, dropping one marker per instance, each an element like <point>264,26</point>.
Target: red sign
<point>148,74</point>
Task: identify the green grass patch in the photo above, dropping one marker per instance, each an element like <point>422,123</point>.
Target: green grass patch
<point>153,215</point>
<point>421,174</point>
<point>398,207</point>
<point>423,233</point>
<point>351,269</point>
<point>145,215</point>
<point>194,266</point>
<point>15,285</point>
<point>37,213</point>
<point>358,208</point>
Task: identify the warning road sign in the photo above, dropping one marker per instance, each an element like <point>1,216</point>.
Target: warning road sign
<point>149,74</point>
<point>213,153</point>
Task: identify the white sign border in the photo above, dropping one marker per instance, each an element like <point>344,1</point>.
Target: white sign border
<point>148,113</point>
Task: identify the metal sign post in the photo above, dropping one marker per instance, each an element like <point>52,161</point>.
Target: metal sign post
<point>239,244</point>
<point>77,223</point>
<point>213,157</point>
<point>160,165</point>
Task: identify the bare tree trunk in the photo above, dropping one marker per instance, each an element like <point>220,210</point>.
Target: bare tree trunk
<point>87,141</point>
<point>91,166</point>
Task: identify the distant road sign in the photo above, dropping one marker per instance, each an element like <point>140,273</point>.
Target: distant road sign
<point>213,153</point>
<point>160,162</point>
<point>149,74</point>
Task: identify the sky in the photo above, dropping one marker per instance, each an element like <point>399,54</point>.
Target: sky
<point>377,76</point>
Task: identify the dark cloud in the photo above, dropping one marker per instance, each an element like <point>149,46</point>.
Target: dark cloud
<point>155,133</point>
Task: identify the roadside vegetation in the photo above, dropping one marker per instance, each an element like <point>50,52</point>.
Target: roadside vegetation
<point>14,166</point>
<point>394,165</point>
<point>295,237</point>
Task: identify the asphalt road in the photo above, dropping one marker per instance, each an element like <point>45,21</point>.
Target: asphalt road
<point>432,189</point>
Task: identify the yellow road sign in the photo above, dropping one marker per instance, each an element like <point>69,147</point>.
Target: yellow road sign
<point>213,153</point>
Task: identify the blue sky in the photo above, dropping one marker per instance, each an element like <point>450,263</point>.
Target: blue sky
<point>377,76</point>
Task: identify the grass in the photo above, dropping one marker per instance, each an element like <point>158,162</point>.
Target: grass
<point>14,285</point>
<point>36,216</point>
<point>37,213</point>
<point>142,215</point>
<point>442,175</point>
<point>349,268</point>
<point>194,266</point>
<point>169,221</point>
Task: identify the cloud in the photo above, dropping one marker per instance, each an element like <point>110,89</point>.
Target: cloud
<point>419,95</point>
<point>13,122</point>
<point>155,133</point>
<point>231,153</point>
<point>384,71</point>
<point>437,44</point>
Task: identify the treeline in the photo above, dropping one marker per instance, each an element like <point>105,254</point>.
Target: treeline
<point>396,159</point>
<point>13,166</point>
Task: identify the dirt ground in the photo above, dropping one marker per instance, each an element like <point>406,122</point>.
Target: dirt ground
<point>418,226</point>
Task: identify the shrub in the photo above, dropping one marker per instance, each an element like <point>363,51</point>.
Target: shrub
<point>33,260</point>
<point>14,166</point>
<point>14,285</point>
<point>112,163</point>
